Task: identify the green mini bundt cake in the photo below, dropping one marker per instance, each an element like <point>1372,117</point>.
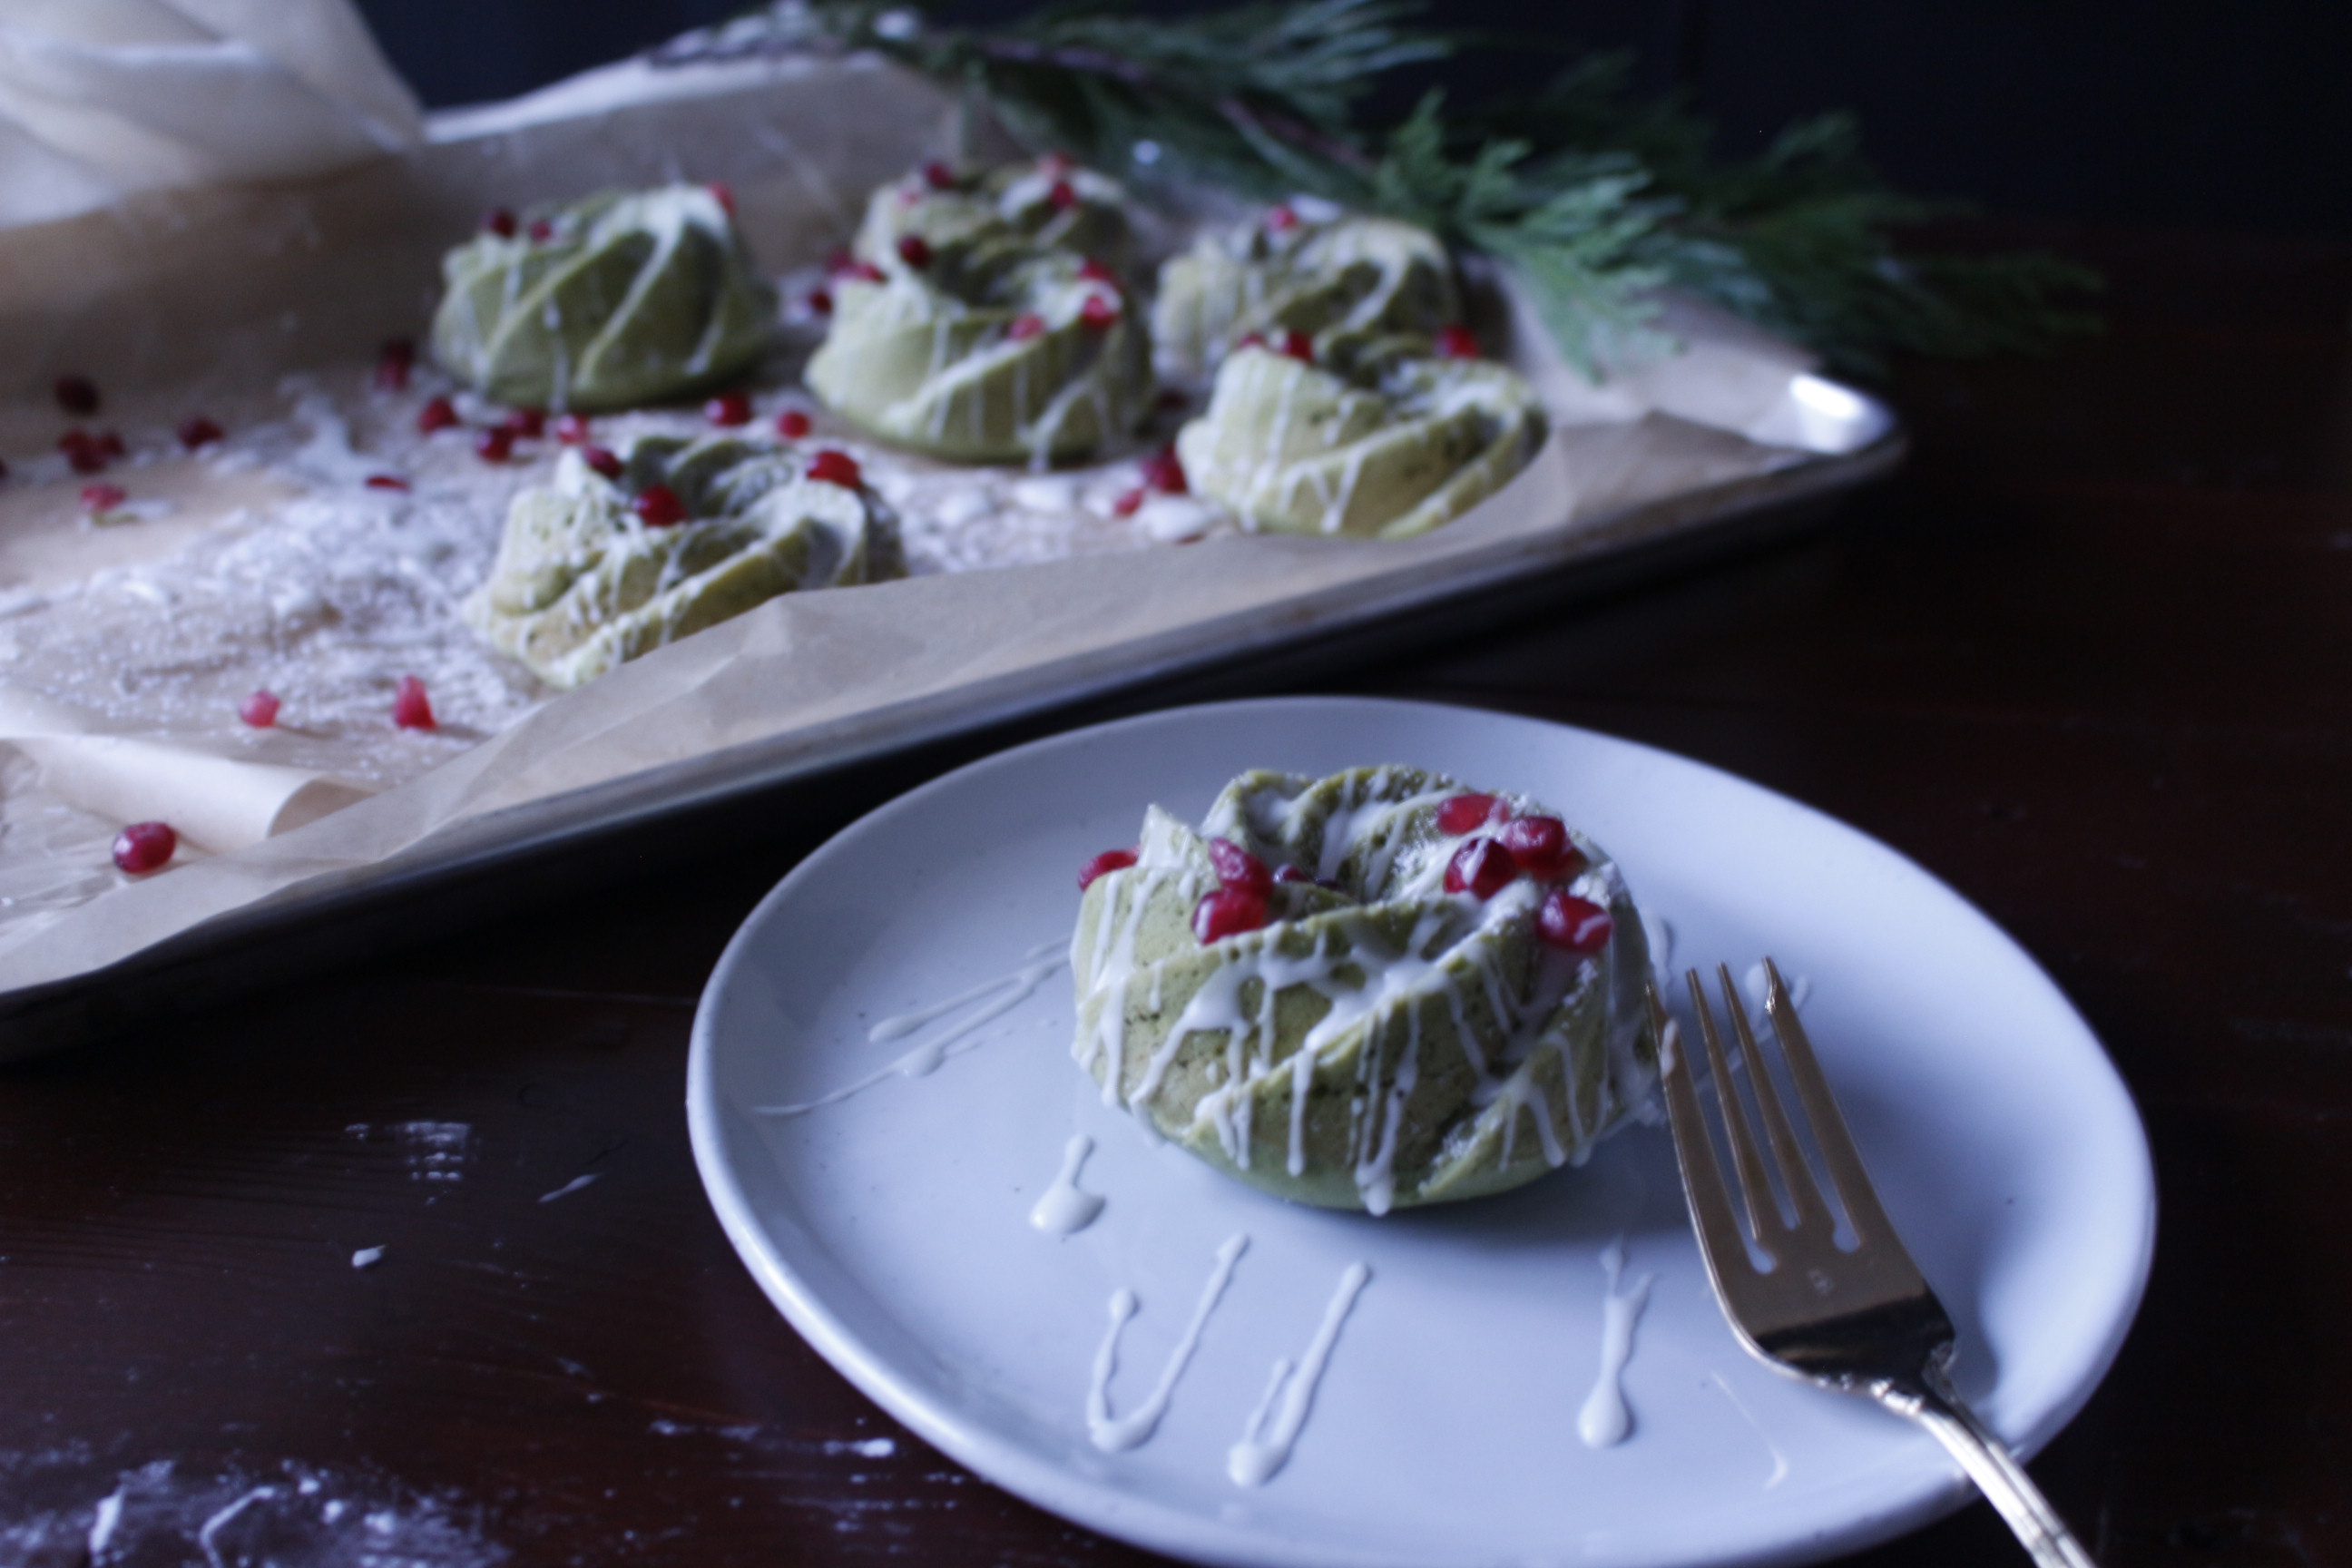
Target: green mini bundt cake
<point>620,300</point>
<point>1284,274</point>
<point>1366,991</point>
<point>601,566</point>
<point>1372,437</point>
<point>966,333</point>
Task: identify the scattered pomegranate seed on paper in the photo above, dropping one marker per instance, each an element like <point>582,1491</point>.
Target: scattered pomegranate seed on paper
<point>144,847</point>
<point>411,708</point>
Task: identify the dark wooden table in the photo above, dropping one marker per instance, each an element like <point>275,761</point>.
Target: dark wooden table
<point>2090,659</point>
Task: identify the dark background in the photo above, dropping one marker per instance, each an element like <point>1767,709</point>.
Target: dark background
<point>2203,113</point>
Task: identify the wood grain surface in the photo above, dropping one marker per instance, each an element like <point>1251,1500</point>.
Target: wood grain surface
<point>2089,659</point>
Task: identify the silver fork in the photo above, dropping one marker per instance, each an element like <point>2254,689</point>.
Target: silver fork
<point>1861,1321</point>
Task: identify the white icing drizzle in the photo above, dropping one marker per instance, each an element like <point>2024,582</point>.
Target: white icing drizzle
<point>1115,1435</point>
<point>1605,1420</point>
<point>1009,992</point>
<point>1064,1210</point>
<point>1268,1437</point>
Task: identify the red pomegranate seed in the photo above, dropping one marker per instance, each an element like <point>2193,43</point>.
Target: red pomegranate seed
<point>1094,271</point>
<point>528,424</point>
<point>411,709</point>
<point>1228,911</point>
<point>387,482</point>
<point>198,431</point>
<point>438,414</point>
<point>541,230</point>
<point>835,469</point>
<point>261,710</point>
<point>103,498</point>
<point>76,394</point>
<point>1164,472</point>
<point>819,301</point>
<point>603,460</point>
<point>939,177</point>
<point>915,251</point>
<point>1457,341</point>
<point>1290,874</point>
<point>143,846</point>
<point>82,452</point>
<point>572,429</point>
<point>1577,924</point>
<point>1063,196</point>
<point>1299,346</point>
<point>838,260</point>
<point>791,424</point>
<point>724,195</point>
<point>393,362</point>
<point>1107,861</point>
<point>1237,868</point>
<point>495,444</point>
<point>498,221</point>
<point>1129,503</point>
<point>1024,327</point>
<point>729,409</point>
<point>1481,867</point>
<point>658,506</point>
<point>1250,341</point>
<point>1468,812</point>
<point>1541,847</point>
<point>863,272</point>
<point>109,445</point>
<point>1099,314</point>
<point>1281,219</point>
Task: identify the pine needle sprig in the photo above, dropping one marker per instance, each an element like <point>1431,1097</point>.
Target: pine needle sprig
<point>1595,198</point>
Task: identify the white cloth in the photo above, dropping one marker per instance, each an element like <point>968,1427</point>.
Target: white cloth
<point>101,97</point>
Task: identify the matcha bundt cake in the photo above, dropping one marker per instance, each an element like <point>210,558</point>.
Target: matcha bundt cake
<point>1366,991</point>
<point>618,556</point>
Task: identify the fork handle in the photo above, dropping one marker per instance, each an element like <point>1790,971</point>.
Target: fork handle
<point>1932,1403</point>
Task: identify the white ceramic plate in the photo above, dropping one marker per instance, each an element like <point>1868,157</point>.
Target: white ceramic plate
<point>892,1226</point>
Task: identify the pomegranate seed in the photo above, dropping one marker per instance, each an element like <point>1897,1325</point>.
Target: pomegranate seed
<point>1541,847</point>
<point>1129,503</point>
<point>602,459</point>
<point>411,709</point>
<point>143,846</point>
<point>1107,861</point>
<point>839,261</point>
<point>1577,924</point>
<point>387,482</point>
<point>392,363</point>
<point>109,445</point>
<point>541,230</point>
<point>915,251</point>
<point>863,272</point>
<point>572,429</point>
<point>1237,868</point>
<point>819,301</point>
<point>791,424</point>
<point>1024,327</point>
<point>498,221</point>
<point>438,414</point>
<point>1099,314</point>
<point>495,444</point>
<point>103,498</point>
<point>1290,874</point>
<point>1481,867</point>
<point>1250,341</point>
<point>1094,271</point>
<point>724,195</point>
<point>77,393</point>
<point>528,424</point>
<point>81,451</point>
<point>1164,472</point>
<point>1281,219</point>
<point>939,177</point>
<point>1468,812</point>
<point>261,710</point>
<point>198,431</point>
<point>1457,341</point>
<point>1063,196</point>
<point>658,506</point>
<point>729,409</point>
<point>835,469</point>
<point>1228,911</point>
<point>1299,346</point>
